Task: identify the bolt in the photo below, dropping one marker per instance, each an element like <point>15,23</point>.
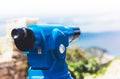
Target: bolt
<point>62,48</point>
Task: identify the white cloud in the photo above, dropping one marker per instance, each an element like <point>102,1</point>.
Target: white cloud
<point>67,7</point>
<point>18,7</point>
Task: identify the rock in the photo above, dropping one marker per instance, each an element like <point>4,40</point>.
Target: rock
<point>14,69</point>
<point>95,52</point>
<point>13,63</point>
<point>112,72</point>
<point>6,71</point>
<point>7,46</point>
<point>16,76</point>
<point>106,58</point>
<point>6,77</point>
<point>100,54</point>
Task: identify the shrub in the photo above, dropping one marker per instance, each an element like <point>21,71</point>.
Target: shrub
<point>79,65</point>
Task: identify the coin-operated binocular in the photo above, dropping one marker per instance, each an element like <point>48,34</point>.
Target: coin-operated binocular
<point>45,46</point>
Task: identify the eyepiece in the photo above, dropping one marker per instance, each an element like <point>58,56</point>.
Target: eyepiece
<point>24,38</point>
<point>19,33</point>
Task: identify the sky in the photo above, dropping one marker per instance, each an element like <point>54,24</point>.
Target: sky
<point>15,7</point>
<point>12,8</point>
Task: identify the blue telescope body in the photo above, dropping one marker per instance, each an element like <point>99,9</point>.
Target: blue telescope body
<point>45,46</point>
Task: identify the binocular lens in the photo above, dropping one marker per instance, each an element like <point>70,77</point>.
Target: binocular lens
<point>76,31</point>
<point>15,34</point>
<point>19,33</point>
<point>24,38</point>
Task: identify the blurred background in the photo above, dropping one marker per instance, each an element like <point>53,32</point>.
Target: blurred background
<point>98,45</point>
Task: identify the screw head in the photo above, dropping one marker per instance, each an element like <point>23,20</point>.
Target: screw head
<point>62,48</point>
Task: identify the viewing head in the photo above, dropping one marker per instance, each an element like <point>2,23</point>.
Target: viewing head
<point>27,38</point>
<point>24,38</point>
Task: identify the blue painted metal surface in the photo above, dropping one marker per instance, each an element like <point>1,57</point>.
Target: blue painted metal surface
<point>46,59</point>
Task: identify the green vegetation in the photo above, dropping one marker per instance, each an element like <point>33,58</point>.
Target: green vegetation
<point>80,65</point>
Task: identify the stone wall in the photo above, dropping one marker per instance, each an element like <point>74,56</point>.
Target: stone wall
<point>13,64</point>
<point>15,69</point>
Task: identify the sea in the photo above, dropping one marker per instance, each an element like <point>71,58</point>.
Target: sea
<point>109,41</point>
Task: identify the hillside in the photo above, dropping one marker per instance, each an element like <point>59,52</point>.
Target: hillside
<point>106,40</point>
